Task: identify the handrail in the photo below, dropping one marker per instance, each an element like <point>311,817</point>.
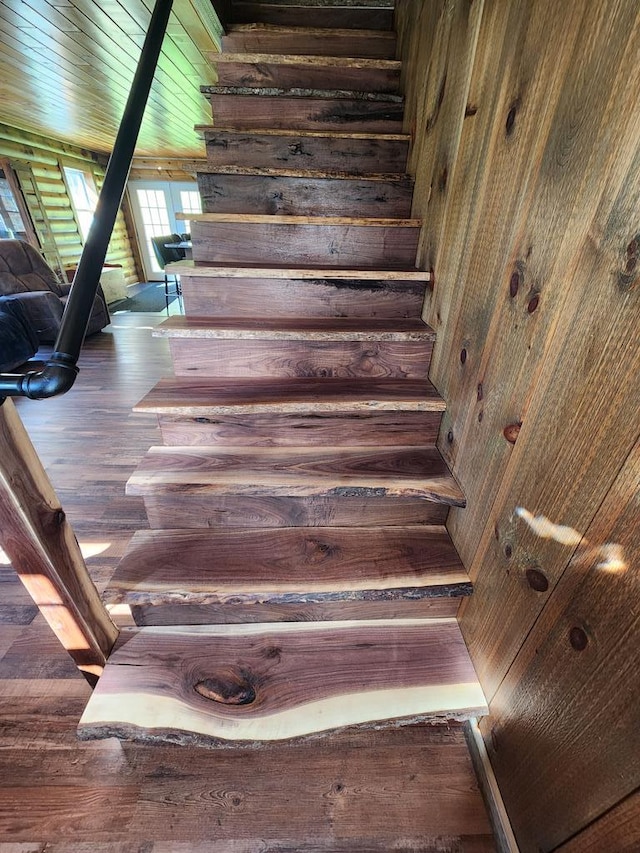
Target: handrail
<point>60,370</point>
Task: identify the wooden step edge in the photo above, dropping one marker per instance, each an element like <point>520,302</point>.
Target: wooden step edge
<point>318,221</point>
<point>190,268</point>
<point>304,60</point>
<point>210,129</point>
<point>353,4</point>
<point>272,566</point>
<point>277,29</point>
<point>299,92</point>
<point>201,167</point>
<point>269,472</point>
<point>207,399</point>
<point>216,329</point>
<point>251,684</point>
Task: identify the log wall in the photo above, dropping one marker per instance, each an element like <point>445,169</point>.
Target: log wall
<point>38,163</point>
<point>526,122</point>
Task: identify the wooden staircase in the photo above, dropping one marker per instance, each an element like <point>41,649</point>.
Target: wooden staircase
<point>297,577</point>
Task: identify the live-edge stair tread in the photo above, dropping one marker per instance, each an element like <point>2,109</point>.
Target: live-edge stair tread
<point>417,472</point>
<point>217,685</point>
<point>308,328</point>
<point>222,270</point>
<point>287,565</point>
<point>210,397</point>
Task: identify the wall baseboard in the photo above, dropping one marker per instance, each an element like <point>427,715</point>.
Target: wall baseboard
<point>505,839</point>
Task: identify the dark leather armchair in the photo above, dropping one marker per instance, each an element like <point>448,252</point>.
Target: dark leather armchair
<point>27,278</point>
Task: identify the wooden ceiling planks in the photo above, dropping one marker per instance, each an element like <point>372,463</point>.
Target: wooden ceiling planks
<point>66,67</point>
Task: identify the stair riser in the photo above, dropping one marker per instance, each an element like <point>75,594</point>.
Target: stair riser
<point>270,194</point>
<point>254,359</point>
<point>311,16</point>
<point>411,429</point>
<point>350,155</point>
<point>270,298</point>
<point>370,45</point>
<point>221,511</point>
<point>235,614</point>
<point>245,112</point>
<point>308,77</point>
<point>337,246</point>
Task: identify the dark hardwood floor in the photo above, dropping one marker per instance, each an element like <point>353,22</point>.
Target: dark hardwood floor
<point>407,789</point>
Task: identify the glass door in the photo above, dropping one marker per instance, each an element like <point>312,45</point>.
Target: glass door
<point>154,205</point>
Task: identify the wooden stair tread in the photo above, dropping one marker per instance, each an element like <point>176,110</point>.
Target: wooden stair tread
<point>304,59</point>
<point>299,92</point>
<point>326,32</point>
<point>287,565</point>
<point>207,397</point>
<point>363,472</point>
<point>302,329</point>
<point>211,129</point>
<point>317,221</point>
<point>212,270</point>
<point>217,685</point>
<point>211,169</point>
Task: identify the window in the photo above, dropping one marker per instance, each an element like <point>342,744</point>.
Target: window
<point>11,221</point>
<point>189,203</point>
<point>84,197</point>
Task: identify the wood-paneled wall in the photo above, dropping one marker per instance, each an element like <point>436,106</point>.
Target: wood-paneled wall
<point>526,115</point>
<point>38,164</point>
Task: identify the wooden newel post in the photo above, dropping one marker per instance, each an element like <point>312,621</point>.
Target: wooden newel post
<point>42,547</point>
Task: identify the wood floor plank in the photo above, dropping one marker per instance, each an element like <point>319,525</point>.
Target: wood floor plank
<point>217,684</point>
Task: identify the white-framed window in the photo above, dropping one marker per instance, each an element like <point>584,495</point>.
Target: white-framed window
<point>155,205</point>
<point>84,197</point>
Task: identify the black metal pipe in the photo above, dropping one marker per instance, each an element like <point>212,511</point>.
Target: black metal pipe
<point>60,371</point>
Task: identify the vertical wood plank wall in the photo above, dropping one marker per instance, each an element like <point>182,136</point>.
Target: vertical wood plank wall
<point>37,162</point>
<point>526,115</point>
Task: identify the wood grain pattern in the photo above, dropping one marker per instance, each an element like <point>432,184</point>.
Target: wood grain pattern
<point>78,94</point>
<point>326,72</point>
<point>348,153</point>
<point>347,429</point>
<point>288,685</point>
<point>262,38</point>
<point>271,472</point>
<point>223,511</point>
<point>209,269</point>
<point>44,552</point>
<point>321,297</point>
<point>301,196</point>
<point>211,398</point>
<point>292,564</point>
<point>247,112</point>
<point>618,829</point>
<point>248,358</point>
<point>368,245</point>
<point>580,647</point>
<point>234,613</point>
<point>243,12</point>
<point>299,329</point>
